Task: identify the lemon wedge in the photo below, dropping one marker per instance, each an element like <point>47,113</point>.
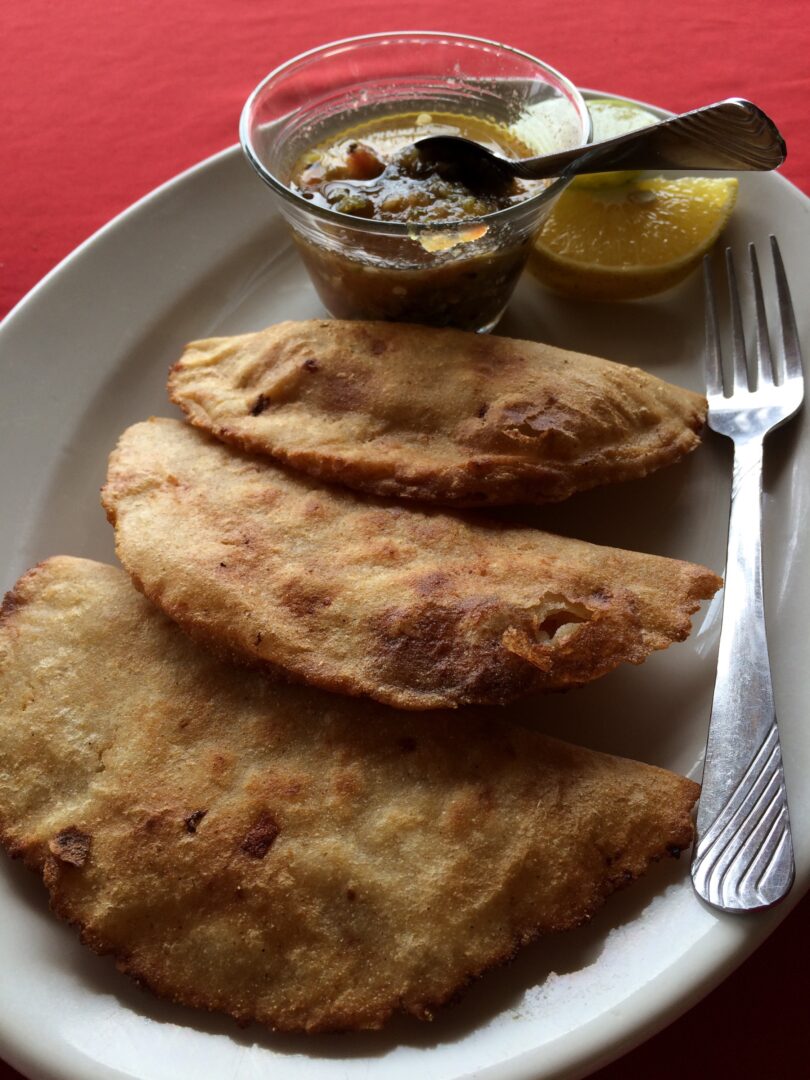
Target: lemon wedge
<point>622,243</point>
<point>611,118</point>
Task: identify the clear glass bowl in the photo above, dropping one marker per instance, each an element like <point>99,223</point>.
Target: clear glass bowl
<point>444,274</point>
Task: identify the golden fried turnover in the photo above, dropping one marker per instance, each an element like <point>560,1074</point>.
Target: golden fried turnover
<point>433,414</point>
<point>284,855</point>
<point>420,609</point>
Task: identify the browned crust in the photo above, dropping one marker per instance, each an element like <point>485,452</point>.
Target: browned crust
<point>487,480</point>
<point>417,608</point>
<point>425,1010</point>
<point>17,596</point>
<point>436,415</point>
<point>680,831</point>
<point>496,672</point>
<point>520,834</point>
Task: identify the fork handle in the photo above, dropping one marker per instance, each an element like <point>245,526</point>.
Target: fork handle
<point>743,859</point>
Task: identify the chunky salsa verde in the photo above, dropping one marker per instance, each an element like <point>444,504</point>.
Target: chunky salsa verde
<point>373,170</point>
<point>369,171</point>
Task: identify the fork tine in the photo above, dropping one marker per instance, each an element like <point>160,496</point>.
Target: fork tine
<point>790,336</point>
<point>766,373</point>
<point>740,366</point>
<point>713,359</point>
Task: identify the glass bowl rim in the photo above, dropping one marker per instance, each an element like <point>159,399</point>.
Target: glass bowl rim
<point>397,228</point>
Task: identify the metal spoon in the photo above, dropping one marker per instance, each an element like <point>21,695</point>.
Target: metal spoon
<point>732,134</point>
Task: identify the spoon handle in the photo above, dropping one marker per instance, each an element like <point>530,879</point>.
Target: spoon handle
<point>732,134</point>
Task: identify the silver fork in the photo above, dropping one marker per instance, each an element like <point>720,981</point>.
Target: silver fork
<point>743,859</point>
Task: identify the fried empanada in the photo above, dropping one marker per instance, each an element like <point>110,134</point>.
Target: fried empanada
<point>421,609</point>
<point>438,415</point>
<point>278,853</point>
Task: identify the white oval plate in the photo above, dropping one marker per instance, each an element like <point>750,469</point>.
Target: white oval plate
<point>86,354</point>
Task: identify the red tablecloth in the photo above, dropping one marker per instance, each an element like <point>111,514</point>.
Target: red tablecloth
<point>103,101</point>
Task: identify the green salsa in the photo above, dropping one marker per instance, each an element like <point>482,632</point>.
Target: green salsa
<point>371,172</point>
<point>374,171</point>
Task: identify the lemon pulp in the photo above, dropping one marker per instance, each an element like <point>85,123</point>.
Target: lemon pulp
<point>611,243</point>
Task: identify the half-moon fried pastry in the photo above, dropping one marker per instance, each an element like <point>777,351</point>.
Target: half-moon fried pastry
<point>432,414</point>
<point>280,854</point>
<point>419,609</point>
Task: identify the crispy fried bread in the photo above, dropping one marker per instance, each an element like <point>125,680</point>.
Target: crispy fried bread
<point>434,414</point>
<point>417,608</point>
<point>283,855</point>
